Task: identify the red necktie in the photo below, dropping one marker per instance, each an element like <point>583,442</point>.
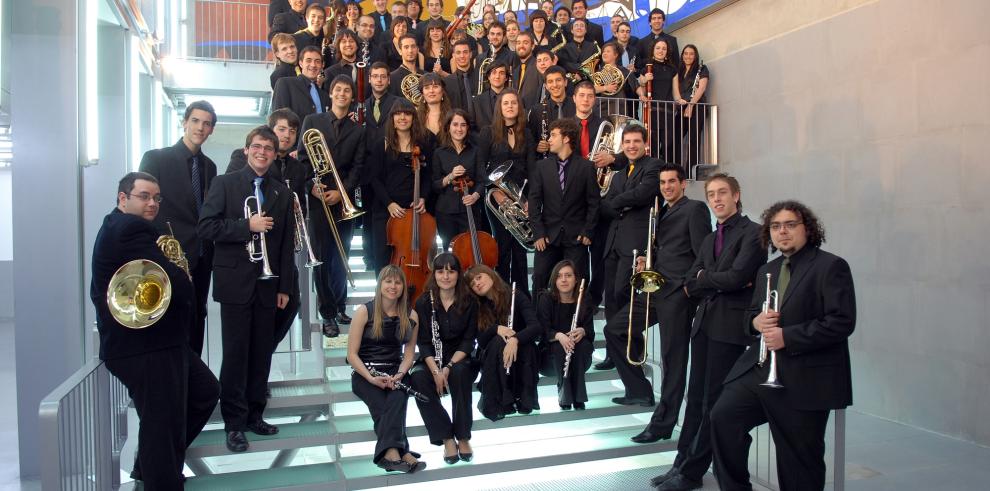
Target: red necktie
<point>585,138</point>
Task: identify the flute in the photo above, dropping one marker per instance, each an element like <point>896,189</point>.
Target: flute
<point>512,314</point>
<point>574,320</point>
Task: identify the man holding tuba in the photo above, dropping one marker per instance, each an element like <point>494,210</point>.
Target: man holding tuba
<point>173,391</point>
<point>248,215</point>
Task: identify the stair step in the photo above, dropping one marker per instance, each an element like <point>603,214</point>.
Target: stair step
<point>326,476</point>
<point>291,398</point>
<point>211,443</point>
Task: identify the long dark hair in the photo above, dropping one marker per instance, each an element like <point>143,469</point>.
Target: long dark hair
<point>462,292</point>
<point>445,140</point>
<point>423,109</point>
<point>495,305</point>
<point>814,227</point>
<point>392,134</point>
<point>690,70</point>
<point>669,60</point>
<point>552,283</point>
<point>500,132</point>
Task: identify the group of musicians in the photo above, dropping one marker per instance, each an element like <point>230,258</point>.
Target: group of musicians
<point>504,143</point>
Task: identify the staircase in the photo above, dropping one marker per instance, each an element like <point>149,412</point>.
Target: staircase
<point>326,437</point>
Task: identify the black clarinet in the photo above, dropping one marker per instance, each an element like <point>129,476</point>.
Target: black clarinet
<point>399,385</point>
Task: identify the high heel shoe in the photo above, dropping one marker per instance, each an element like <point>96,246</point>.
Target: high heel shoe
<point>451,459</point>
<point>465,456</point>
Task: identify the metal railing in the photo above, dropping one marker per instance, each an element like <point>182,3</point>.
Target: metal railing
<point>230,31</point>
<point>83,428</point>
<point>689,141</point>
<point>763,455</point>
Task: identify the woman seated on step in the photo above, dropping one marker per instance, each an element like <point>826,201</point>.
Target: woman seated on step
<point>449,315</point>
<point>382,339</point>
<point>506,350</point>
<point>555,309</point>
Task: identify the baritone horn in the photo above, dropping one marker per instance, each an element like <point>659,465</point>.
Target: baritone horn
<point>322,162</point>
<point>504,199</point>
<point>646,281</point>
<point>609,139</point>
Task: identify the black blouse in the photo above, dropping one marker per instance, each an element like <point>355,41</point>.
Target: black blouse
<point>495,154</point>
<point>686,83</point>
<point>429,61</point>
<point>458,327</point>
<point>444,161</point>
<point>392,176</point>
<point>556,316</point>
<point>663,81</point>
<point>388,349</point>
<point>525,323</point>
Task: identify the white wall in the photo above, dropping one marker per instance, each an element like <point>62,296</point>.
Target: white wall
<point>875,115</point>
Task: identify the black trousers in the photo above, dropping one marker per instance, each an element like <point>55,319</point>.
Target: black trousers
<point>388,412</point>
<point>248,335</point>
<point>201,276</point>
<point>512,264</point>
<point>799,436</point>
<point>501,391</point>
<point>440,425</point>
<point>544,261</point>
<point>174,394</point>
<point>674,311</point>
<point>572,388</point>
<point>285,317</point>
<point>379,249</point>
<point>451,224</point>
<point>616,339</point>
<point>691,130</point>
<point>617,271</point>
<point>331,276</point>
<point>596,288</point>
<point>710,364</point>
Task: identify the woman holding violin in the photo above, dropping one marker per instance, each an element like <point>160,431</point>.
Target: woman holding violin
<point>449,314</point>
<point>566,312</point>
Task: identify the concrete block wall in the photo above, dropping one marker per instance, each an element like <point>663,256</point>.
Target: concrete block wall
<point>874,113</point>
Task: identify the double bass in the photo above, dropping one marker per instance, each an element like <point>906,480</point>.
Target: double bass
<point>413,238</point>
<point>473,247</point>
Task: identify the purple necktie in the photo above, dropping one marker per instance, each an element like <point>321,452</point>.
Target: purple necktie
<point>719,239</point>
<point>561,165</point>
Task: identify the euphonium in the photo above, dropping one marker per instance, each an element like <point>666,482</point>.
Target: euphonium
<point>410,88</point>
<point>645,281</point>
<point>609,139</point>
<point>504,199</point>
<point>322,162</point>
<point>257,247</point>
<point>608,75</point>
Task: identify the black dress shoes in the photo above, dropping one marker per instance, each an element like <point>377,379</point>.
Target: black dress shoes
<point>579,406</point>
<point>650,435</point>
<point>679,483</point>
<point>606,364</point>
<point>343,319</point>
<point>260,427</point>
<point>662,478</point>
<point>633,401</point>
<point>330,328</point>
<point>565,407</point>
<point>236,441</point>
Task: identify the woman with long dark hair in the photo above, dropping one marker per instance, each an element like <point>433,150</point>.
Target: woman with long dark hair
<point>508,140</point>
<point>382,338</point>
<point>436,50</point>
<point>457,156</point>
<point>555,308</point>
<point>507,353</point>
<point>449,314</point>
<point>661,81</point>
<point>399,28</point>
<point>689,90</point>
<point>435,105</point>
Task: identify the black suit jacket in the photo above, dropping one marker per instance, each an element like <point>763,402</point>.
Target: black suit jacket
<point>562,215</point>
<point>345,140</point>
<point>375,129</point>
<point>680,231</point>
<point>532,83</point>
<point>817,315</point>
<point>235,277</point>
<point>627,205</point>
<point>171,167</point>
<point>284,168</point>
<point>288,22</point>
<point>293,93</point>
<point>454,85</point>
<point>644,49</point>
<point>276,7</point>
<point>725,286</point>
<point>121,239</point>
<point>484,108</point>
<point>282,70</point>
<point>378,22</point>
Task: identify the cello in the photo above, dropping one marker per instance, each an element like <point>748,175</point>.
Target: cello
<point>473,247</point>
<point>413,238</point>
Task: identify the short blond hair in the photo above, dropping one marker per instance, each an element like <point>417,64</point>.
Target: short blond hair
<point>280,39</point>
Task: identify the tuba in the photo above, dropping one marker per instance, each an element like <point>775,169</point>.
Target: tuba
<point>608,75</point>
<point>504,199</point>
<point>410,88</point>
<point>588,65</point>
<point>483,69</point>
<point>609,139</point>
<point>646,281</point>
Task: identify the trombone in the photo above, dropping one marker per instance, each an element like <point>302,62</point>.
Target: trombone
<point>322,162</point>
<point>770,303</point>
<point>645,281</point>
<point>257,247</point>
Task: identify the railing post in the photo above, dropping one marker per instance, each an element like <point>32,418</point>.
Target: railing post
<point>106,478</point>
<point>839,454</point>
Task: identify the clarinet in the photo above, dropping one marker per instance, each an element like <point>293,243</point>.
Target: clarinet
<point>512,315</point>
<point>574,320</point>
<point>544,134</point>
<point>399,385</point>
<point>697,79</point>
<point>435,327</point>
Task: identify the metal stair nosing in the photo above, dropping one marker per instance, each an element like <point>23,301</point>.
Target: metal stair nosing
<point>324,476</point>
<point>311,434</point>
<point>285,403</point>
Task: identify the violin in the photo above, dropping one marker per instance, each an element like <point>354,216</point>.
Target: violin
<point>413,239</point>
<point>473,247</point>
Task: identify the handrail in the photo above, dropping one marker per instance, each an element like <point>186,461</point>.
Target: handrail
<point>83,425</point>
<point>763,467</point>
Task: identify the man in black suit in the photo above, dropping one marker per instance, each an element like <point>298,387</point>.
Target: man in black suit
<point>624,38</point>
<point>290,21</point>
<point>644,48</point>
<point>484,104</point>
<point>627,204</point>
<point>498,46</point>
<point>525,76</point>
<point>809,336</point>
<point>286,56</point>
<point>173,391</point>
<point>462,83</point>
<point>346,47</point>
<point>345,141</point>
<point>409,51</point>
<point>302,93</point>
<point>552,105</point>
<point>682,225</point>
<point>721,279</point>
<point>248,300</point>
<point>563,204</point>
<point>381,16</point>
<point>377,106</point>
<point>434,8</point>
<point>579,9</point>
<point>369,41</point>
<point>581,48</point>
<point>185,175</point>
<point>312,34</point>
<point>276,7</point>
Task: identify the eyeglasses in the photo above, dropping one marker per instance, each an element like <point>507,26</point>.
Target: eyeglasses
<point>258,146</point>
<point>145,197</point>
<point>776,226</point>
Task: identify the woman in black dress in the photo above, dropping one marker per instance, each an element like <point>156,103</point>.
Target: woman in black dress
<point>661,82</point>
<point>509,369</point>
<point>436,48</point>
<point>435,105</point>
<point>555,309</point>
<point>399,28</point>
<point>382,338</point>
<point>690,86</point>
<point>457,156</point>
<point>449,314</point>
<point>508,140</point>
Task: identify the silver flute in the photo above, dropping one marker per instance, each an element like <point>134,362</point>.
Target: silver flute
<point>512,315</point>
<point>574,321</point>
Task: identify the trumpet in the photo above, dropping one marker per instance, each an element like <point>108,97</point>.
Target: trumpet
<point>322,162</point>
<point>574,320</point>
<point>770,303</point>
<point>257,247</point>
<point>504,199</point>
<point>301,232</point>
<point>645,281</point>
<point>512,316</point>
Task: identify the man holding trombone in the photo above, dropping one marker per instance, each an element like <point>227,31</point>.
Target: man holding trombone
<point>251,210</point>
<point>806,373</point>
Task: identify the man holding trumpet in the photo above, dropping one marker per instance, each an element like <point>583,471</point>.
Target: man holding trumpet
<point>252,210</point>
